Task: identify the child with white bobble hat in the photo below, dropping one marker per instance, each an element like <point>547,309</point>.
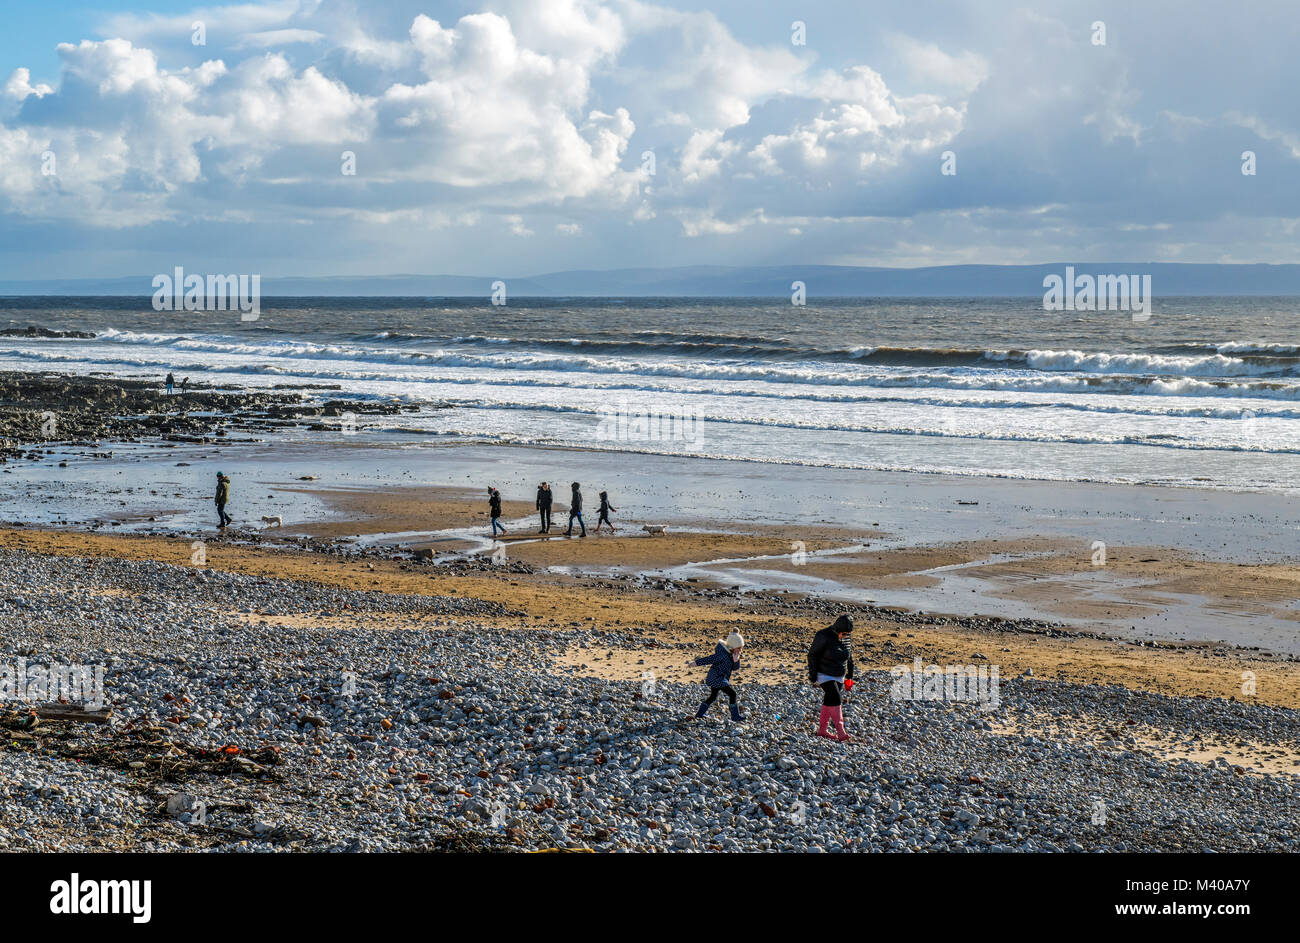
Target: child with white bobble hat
<point>724,660</point>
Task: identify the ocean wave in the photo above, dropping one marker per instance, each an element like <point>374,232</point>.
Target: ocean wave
<point>1249,443</point>
<point>681,351</point>
<point>782,382</point>
<point>1241,348</point>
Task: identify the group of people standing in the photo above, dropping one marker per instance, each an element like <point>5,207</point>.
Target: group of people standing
<point>545,498</point>
<point>830,668</point>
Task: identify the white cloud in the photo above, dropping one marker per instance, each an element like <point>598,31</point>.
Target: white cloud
<point>498,109</point>
<point>703,155</point>
<point>697,222</point>
<point>1290,141</point>
<point>538,109</point>
<point>868,128</point>
<point>931,66</point>
<point>266,103</point>
<point>279,37</point>
<point>20,86</point>
<point>517,226</point>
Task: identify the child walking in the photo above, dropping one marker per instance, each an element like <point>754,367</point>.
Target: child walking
<point>724,660</point>
<point>605,508</point>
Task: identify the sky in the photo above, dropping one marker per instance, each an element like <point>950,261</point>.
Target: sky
<point>516,137</point>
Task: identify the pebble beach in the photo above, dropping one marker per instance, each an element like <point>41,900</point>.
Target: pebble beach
<point>465,728</point>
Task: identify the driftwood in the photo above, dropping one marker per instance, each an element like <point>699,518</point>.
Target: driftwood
<point>84,715</point>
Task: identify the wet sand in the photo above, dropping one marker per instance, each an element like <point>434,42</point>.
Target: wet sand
<point>1182,566</point>
<point>1133,592</point>
<point>775,625</point>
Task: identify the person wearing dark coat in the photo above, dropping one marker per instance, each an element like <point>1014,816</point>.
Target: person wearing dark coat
<point>724,660</point>
<point>575,510</point>
<point>222,496</point>
<point>544,496</point>
<point>605,508</point>
<point>494,509</point>
<point>830,667</point>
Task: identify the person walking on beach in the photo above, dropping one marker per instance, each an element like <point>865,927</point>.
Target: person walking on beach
<point>223,496</point>
<point>605,508</point>
<point>185,381</point>
<point>544,496</point>
<point>724,660</point>
<point>830,667</point>
<point>494,509</point>
<point>171,382</point>
<point>575,510</point>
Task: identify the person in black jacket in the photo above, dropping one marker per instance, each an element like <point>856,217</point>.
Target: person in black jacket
<point>830,667</point>
<point>605,508</point>
<point>494,509</point>
<point>222,496</point>
<point>575,510</point>
<point>544,496</point>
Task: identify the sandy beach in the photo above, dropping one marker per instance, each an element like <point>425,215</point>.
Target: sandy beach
<point>1145,563</point>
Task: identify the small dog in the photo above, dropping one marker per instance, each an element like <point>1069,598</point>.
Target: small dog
<point>655,530</point>
<point>275,521</point>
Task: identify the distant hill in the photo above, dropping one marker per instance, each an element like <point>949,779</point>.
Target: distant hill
<point>940,281</point>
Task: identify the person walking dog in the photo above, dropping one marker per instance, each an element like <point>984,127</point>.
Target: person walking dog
<point>830,667</point>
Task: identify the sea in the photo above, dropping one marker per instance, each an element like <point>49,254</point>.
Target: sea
<point>1205,393</point>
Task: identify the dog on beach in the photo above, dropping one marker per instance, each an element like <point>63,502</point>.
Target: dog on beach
<point>273,521</point>
<point>655,530</point>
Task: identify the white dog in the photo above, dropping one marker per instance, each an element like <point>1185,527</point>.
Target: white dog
<point>275,521</point>
<point>655,530</point>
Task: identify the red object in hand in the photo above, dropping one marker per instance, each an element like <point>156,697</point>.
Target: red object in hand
<point>848,684</point>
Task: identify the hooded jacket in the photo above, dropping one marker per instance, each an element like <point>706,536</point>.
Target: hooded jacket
<point>223,489</point>
<point>544,496</point>
<point>721,665</point>
<point>830,655</point>
<point>494,503</point>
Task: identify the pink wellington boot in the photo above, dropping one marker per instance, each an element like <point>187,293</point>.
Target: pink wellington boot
<point>837,715</point>
<point>824,721</point>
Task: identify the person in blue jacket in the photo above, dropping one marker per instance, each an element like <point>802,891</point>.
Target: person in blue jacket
<point>724,660</point>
